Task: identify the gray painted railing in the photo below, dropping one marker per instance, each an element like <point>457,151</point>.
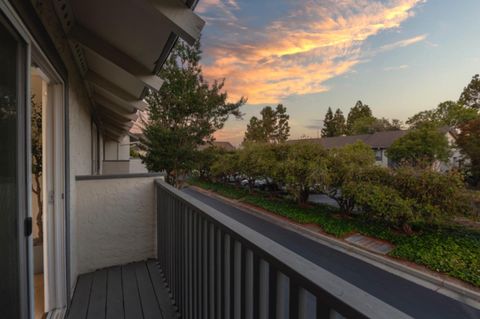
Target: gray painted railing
<point>216,267</point>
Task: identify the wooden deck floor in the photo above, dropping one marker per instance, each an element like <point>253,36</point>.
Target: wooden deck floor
<point>132,291</point>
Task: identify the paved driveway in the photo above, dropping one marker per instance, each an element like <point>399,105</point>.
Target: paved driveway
<point>413,299</point>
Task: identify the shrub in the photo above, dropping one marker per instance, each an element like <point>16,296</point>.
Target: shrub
<point>382,203</point>
<point>435,196</point>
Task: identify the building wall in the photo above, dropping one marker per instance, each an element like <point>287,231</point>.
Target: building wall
<point>79,120</point>
<point>116,221</point>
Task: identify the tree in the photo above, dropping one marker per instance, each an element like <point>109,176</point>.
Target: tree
<point>339,123</point>
<point>37,166</point>
<point>271,128</point>
<point>341,167</point>
<point>183,114</point>
<point>371,124</point>
<point>420,147</point>
<point>205,159</point>
<point>360,110</point>
<point>471,93</point>
<point>447,113</point>
<point>303,163</point>
<point>333,125</point>
<point>469,142</point>
<point>256,161</point>
<point>328,129</point>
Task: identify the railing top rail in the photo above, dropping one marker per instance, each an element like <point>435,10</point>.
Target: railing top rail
<point>340,293</point>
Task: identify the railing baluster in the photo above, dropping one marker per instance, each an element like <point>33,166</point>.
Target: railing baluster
<point>211,268</point>
<point>219,274</point>
<point>248,284</point>
<point>293,301</point>
<point>283,294</point>
<point>237,286</point>
<point>256,286</point>
<point>272,292</point>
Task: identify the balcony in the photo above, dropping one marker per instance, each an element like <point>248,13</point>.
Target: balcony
<point>181,256</point>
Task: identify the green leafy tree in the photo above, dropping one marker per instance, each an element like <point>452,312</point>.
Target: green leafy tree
<point>360,110</point>
<point>37,166</point>
<point>447,113</point>
<point>205,159</point>
<point>341,167</point>
<point>183,114</point>
<point>303,163</point>
<point>226,165</point>
<point>420,147</point>
<point>471,93</point>
<point>370,125</point>
<point>469,142</point>
<point>256,161</point>
<point>273,126</point>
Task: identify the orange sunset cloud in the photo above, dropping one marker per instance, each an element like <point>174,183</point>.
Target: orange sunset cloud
<point>296,54</point>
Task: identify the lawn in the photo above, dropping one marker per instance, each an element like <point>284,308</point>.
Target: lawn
<point>451,250</point>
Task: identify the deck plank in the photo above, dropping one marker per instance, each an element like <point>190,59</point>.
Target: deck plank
<point>131,298</point>
<point>115,294</point>
<point>161,293</point>
<point>150,306</point>
<point>133,291</point>
<point>81,297</point>
<point>98,296</point>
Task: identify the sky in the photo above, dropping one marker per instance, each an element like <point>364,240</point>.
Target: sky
<point>398,56</point>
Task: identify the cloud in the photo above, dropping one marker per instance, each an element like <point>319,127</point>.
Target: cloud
<point>396,68</point>
<point>298,52</point>
<point>402,43</point>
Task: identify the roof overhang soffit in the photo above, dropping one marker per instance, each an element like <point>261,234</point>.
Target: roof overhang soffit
<point>120,44</point>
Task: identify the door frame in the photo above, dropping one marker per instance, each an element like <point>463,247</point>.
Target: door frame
<point>39,47</point>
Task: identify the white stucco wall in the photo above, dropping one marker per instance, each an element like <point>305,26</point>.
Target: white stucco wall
<point>136,166</point>
<point>116,222</point>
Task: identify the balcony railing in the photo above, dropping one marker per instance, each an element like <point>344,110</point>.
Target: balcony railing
<point>216,267</point>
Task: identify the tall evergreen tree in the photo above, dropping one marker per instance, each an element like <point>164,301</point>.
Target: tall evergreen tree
<point>328,129</point>
<point>360,110</point>
<point>339,123</point>
<point>271,128</point>
<point>471,93</point>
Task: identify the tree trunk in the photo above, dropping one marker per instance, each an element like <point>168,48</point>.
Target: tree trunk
<point>38,191</point>
<point>303,196</point>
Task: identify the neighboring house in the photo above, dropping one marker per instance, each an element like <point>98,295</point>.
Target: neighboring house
<point>381,141</point>
<point>227,146</point>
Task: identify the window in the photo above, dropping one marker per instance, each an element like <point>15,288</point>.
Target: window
<point>379,155</point>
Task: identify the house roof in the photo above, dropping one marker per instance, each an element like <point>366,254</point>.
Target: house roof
<point>376,140</point>
<point>227,146</point>
<point>119,47</point>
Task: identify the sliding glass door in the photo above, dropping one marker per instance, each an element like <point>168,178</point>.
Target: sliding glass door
<point>13,178</point>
